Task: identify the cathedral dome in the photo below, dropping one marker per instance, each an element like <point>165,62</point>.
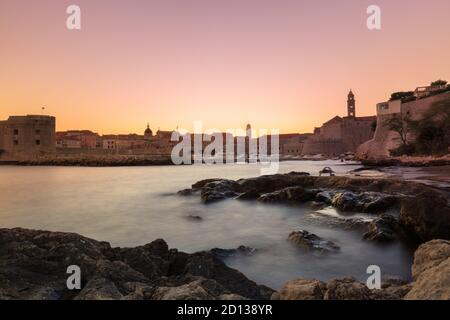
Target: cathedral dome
<point>148,132</point>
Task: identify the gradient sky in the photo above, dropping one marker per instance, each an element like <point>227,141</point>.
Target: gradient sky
<point>285,64</point>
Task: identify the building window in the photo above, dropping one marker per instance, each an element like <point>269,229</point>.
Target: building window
<point>16,142</point>
<point>38,142</point>
<point>38,132</point>
<point>16,132</point>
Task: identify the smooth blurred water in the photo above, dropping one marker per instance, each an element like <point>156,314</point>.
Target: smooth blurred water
<point>129,206</point>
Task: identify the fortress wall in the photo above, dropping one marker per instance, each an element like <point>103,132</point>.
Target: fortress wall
<point>26,137</point>
<point>385,140</point>
<point>326,147</point>
<point>355,132</point>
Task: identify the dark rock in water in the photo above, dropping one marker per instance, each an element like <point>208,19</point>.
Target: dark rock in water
<point>226,253</point>
<point>382,229</point>
<point>249,195</point>
<point>195,218</point>
<point>427,216</point>
<point>311,242</point>
<point>325,197</point>
<point>33,265</point>
<point>219,190</point>
<point>290,194</point>
<point>424,217</point>
<point>367,202</point>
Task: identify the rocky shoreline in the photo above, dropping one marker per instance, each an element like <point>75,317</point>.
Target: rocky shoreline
<point>33,263</point>
<point>406,161</point>
<point>33,266</point>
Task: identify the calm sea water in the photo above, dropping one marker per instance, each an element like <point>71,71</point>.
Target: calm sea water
<point>131,206</point>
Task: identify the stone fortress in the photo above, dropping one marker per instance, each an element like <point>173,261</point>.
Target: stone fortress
<point>385,140</point>
<point>337,136</point>
<point>24,137</point>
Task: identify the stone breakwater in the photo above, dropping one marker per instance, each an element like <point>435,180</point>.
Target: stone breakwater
<point>33,266</point>
<point>94,161</point>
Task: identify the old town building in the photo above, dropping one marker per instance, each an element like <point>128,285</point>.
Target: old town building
<point>27,137</point>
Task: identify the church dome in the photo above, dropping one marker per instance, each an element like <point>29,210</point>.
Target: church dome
<point>148,131</point>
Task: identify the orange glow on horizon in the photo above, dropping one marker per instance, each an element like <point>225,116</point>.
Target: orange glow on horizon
<point>286,65</point>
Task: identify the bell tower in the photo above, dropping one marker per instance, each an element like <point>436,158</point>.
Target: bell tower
<point>351,105</point>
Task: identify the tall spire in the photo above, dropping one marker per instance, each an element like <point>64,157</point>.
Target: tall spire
<point>351,105</point>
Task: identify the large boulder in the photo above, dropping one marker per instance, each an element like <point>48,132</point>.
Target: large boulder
<point>427,216</point>
<point>302,289</point>
<point>431,272</point>
<point>347,289</point>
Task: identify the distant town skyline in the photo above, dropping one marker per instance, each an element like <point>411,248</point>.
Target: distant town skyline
<point>275,64</point>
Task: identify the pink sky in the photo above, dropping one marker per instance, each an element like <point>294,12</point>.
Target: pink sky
<point>285,64</point>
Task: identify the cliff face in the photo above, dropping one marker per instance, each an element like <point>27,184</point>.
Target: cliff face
<point>385,140</point>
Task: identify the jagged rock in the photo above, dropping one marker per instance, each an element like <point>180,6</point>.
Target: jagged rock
<point>33,265</point>
<point>290,194</point>
<point>382,229</point>
<point>369,202</point>
<point>325,197</point>
<point>339,289</point>
<point>302,289</point>
<point>346,289</point>
<point>249,195</point>
<point>311,242</point>
<point>218,190</point>
<point>207,265</point>
<point>226,253</point>
<point>190,291</point>
<point>99,289</point>
<point>431,272</point>
<point>427,216</point>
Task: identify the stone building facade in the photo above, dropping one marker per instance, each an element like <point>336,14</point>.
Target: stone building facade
<point>341,134</point>
<point>27,137</point>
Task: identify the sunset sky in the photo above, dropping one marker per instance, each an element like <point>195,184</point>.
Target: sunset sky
<point>285,64</point>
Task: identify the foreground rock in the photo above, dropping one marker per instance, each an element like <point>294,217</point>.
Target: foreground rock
<point>339,289</point>
<point>431,272</point>
<point>424,210</point>
<point>383,229</point>
<point>33,265</point>
<point>311,242</point>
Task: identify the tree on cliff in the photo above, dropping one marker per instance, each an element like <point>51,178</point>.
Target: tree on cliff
<point>431,134</point>
<point>402,124</point>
